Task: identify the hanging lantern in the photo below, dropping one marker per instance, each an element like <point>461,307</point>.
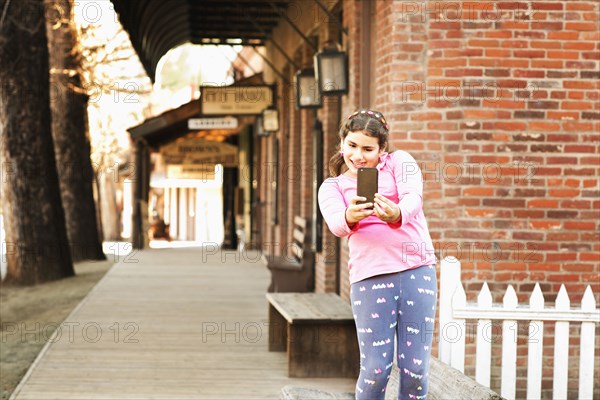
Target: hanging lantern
<point>331,66</point>
<point>270,120</point>
<point>307,89</point>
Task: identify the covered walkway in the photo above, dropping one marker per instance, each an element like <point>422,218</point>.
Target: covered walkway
<point>168,324</point>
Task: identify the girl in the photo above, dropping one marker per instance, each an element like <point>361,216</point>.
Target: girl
<point>391,264</point>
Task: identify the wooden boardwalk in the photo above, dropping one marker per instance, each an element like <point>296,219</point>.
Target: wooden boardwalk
<point>168,324</point>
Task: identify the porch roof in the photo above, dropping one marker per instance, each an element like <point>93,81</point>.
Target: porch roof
<point>156,26</point>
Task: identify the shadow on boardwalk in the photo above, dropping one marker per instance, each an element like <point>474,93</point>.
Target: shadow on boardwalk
<point>168,324</point>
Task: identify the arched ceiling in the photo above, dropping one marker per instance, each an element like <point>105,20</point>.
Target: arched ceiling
<point>156,26</point>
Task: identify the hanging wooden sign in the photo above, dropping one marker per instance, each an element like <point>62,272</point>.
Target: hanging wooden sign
<point>235,100</point>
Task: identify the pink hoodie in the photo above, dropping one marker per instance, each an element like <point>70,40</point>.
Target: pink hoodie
<point>378,247</point>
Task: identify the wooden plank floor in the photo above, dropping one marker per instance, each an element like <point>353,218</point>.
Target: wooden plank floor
<point>168,324</point>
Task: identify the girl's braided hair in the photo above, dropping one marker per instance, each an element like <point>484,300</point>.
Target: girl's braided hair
<point>371,123</point>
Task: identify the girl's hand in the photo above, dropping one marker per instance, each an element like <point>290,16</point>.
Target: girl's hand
<point>386,210</point>
<point>357,212</point>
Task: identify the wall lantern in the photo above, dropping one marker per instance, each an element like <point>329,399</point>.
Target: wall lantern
<point>331,66</point>
<point>307,89</point>
<point>270,120</point>
<point>259,127</point>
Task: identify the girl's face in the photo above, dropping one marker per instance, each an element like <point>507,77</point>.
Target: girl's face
<point>360,151</point>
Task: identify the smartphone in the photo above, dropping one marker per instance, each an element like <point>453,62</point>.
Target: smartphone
<point>367,185</point>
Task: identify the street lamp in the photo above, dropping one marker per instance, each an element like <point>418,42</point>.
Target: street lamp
<point>331,67</point>
<point>307,89</point>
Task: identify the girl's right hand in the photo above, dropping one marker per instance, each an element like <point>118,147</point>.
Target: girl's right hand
<point>357,212</point>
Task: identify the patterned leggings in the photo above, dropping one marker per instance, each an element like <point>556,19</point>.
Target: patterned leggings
<point>400,304</point>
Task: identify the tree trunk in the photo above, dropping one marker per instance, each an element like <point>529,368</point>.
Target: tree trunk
<point>70,134</point>
<point>37,247</point>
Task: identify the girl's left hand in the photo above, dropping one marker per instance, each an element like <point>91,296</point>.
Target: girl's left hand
<point>386,210</point>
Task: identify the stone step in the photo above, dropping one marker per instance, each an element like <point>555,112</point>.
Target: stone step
<point>445,383</point>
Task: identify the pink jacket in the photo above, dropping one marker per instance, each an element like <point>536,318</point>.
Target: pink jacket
<point>378,247</point>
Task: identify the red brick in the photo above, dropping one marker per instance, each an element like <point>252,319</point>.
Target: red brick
<point>578,46</point>
<point>498,34</point>
<point>578,267</point>
<point>511,126</point>
<point>512,63</point>
<point>503,104</point>
<point>563,115</point>
<point>499,53</point>
<point>527,235</point>
<point>443,44</point>
<point>563,193</point>
<point>549,267</point>
<point>545,224</point>
<point>573,183</point>
<point>580,26</point>
<point>581,6</point>
<point>562,137</point>
<point>580,65</point>
<point>595,257</point>
<point>426,116</point>
<point>577,126</point>
<point>562,160</point>
<point>557,64</point>
<point>541,203</point>
<point>547,26</point>
<point>590,55</point>
<point>478,191</point>
<point>444,62</point>
<point>511,266</point>
<point>563,278</point>
<point>576,105</point>
<point>521,27</point>
<point>579,84</point>
<point>590,35</point>
<point>460,72</point>
<point>576,95</point>
<point>580,225</point>
<point>479,114</point>
<point>483,43</point>
<point>590,161</point>
<point>579,204</point>
<point>546,6</point>
<point>543,126</point>
<point>562,236</point>
<point>579,149</point>
<point>529,54</point>
<point>579,171</point>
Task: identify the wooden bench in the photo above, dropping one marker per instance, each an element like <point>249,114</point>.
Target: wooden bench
<point>318,332</point>
<point>293,273</point>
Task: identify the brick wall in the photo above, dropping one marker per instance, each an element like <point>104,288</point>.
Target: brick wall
<point>499,103</point>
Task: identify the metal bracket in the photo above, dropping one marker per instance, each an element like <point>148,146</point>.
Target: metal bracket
<point>272,66</point>
<point>275,44</point>
<point>289,21</point>
<point>332,16</point>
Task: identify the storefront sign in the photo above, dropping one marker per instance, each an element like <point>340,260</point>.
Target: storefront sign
<point>196,151</point>
<point>212,123</point>
<point>235,100</point>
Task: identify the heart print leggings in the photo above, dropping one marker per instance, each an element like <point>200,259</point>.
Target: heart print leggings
<point>397,306</point>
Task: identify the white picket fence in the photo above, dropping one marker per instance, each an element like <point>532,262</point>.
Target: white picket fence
<point>454,310</point>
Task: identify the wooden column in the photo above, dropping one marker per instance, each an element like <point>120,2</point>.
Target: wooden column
<point>139,236</point>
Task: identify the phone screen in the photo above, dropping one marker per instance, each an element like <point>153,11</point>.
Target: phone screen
<point>367,184</point>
